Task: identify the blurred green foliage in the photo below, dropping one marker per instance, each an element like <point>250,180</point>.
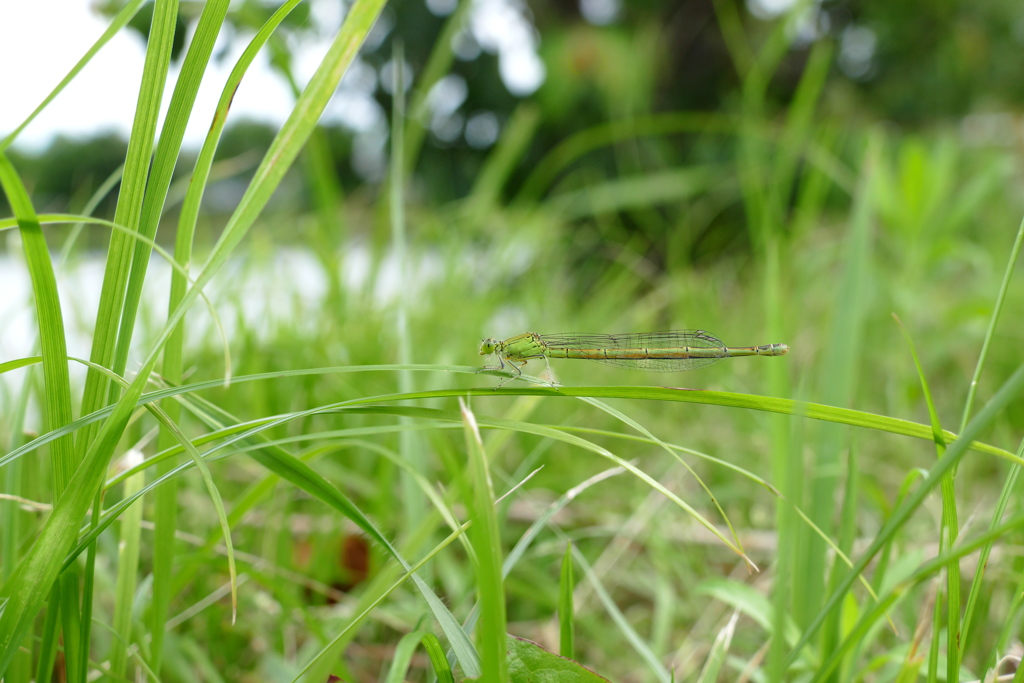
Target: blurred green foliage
<point>671,171</point>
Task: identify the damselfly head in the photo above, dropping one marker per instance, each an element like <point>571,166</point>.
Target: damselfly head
<point>487,346</point>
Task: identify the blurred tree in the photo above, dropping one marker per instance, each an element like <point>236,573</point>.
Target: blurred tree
<point>69,168</point>
<point>590,62</point>
<point>605,59</point>
<point>914,61</point>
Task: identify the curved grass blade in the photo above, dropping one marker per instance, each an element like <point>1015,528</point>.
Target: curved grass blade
<point>650,658</point>
<point>186,445</point>
<point>527,539</point>
<point>322,438</point>
<point>304,477</point>
<point>815,411</point>
<point>735,545</point>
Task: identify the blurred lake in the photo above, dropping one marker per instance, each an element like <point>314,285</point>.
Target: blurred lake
<point>258,293</point>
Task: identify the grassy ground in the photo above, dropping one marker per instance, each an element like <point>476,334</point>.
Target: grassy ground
<point>793,519</point>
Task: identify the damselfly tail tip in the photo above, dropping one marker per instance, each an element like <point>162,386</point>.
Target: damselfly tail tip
<point>772,350</point>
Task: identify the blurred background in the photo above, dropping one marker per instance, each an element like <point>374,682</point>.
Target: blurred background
<point>916,67</point>
<point>581,140</point>
<point>768,170</point>
<point>649,152</point>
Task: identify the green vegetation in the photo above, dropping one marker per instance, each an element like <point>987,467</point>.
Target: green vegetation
<point>329,486</point>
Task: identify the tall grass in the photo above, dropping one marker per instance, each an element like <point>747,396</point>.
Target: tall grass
<point>777,522</point>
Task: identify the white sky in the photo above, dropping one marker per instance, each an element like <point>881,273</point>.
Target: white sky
<point>42,40</point>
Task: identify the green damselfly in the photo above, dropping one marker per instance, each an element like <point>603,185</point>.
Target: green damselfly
<point>653,351</point>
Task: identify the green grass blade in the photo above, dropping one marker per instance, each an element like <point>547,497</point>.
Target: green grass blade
<point>501,162</point>
<point>1018,675</point>
<point>540,524</point>
<point>1011,480</point>
<point>179,110</point>
<point>49,646</point>
<point>566,614</point>
<point>179,270</point>
<point>37,571</point>
<point>437,659</point>
<point>438,64</point>
<point>814,411</point>
<point>12,530</point>
<point>129,206</point>
<point>57,386</point>
<point>719,650</point>
<point>127,575</point>
<point>166,497</point>
<point>632,637</point>
<point>570,150</point>
<point>1009,628</point>
<point>117,272</point>
<point>1004,288</point>
<point>183,98</point>
<point>282,463</point>
<point>197,460</point>
<point>251,429</point>
<point>947,539</point>
<point>952,456</point>
<point>105,188</point>
<point>752,603</point>
<point>411,449</point>
<point>289,141</point>
<point>19,363</point>
<point>486,542</point>
<point>899,589</point>
<point>734,544</point>
<point>407,648</point>
<point>638,191</point>
<point>839,370</point>
<point>118,264</point>
<point>975,592</point>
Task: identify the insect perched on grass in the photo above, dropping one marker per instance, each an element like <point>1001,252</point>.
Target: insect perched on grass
<point>652,351</point>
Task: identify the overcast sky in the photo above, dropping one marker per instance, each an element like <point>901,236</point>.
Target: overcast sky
<point>43,39</point>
